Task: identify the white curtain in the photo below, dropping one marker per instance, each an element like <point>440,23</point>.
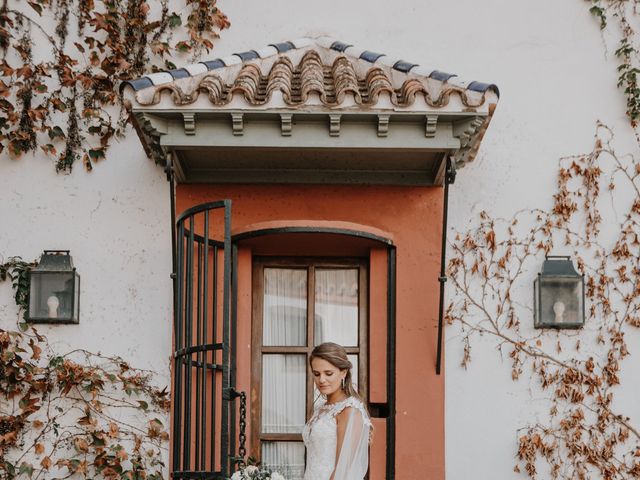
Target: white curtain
<point>286,458</point>
<point>285,307</point>
<point>336,306</point>
<point>284,375</point>
<point>283,393</point>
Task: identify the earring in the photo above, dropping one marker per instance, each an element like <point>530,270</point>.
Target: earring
<point>343,383</point>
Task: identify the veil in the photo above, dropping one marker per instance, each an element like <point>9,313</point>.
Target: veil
<point>353,460</point>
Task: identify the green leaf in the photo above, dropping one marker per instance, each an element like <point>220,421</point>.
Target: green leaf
<point>26,468</point>
<point>56,362</point>
<point>96,154</point>
<point>7,356</point>
<point>183,47</point>
<point>56,132</point>
<point>143,405</point>
<point>156,421</point>
<point>597,11</point>
<point>37,7</point>
<point>97,441</point>
<point>10,468</point>
<point>175,20</point>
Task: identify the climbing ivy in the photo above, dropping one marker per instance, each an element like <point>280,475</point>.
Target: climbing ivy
<point>17,269</point>
<point>74,413</point>
<point>623,13</point>
<point>65,101</point>
<point>582,435</point>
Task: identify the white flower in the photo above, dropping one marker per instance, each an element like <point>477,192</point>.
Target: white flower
<point>236,476</point>
<point>251,469</point>
<point>276,476</point>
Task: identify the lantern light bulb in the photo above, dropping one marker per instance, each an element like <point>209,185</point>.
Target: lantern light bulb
<point>558,309</point>
<point>53,303</point>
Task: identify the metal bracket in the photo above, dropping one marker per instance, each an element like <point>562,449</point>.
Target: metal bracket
<point>431,126</point>
<point>286,124</point>
<point>168,167</point>
<point>334,124</point>
<point>238,123</point>
<point>450,174</point>
<point>189,123</point>
<point>383,125</point>
<point>230,393</point>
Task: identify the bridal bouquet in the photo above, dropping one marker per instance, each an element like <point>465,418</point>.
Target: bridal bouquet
<point>252,472</point>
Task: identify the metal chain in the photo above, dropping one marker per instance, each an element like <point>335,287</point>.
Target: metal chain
<point>242,451</point>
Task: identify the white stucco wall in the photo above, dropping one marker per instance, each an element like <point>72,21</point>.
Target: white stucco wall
<point>115,221</point>
<point>547,57</point>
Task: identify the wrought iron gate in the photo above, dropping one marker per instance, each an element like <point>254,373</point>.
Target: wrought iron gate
<point>203,433</point>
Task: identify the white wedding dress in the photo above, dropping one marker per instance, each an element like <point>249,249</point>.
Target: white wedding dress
<point>320,437</point>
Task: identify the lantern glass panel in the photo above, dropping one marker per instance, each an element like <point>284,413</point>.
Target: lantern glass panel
<point>76,298</point>
<point>51,296</point>
<point>561,302</point>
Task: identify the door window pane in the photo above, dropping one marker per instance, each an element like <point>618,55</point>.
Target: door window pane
<point>286,458</point>
<point>285,307</point>
<point>336,306</point>
<point>283,393</point>
<point>354,370</point>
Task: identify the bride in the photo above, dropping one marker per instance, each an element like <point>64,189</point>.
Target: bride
<point>337,435</point>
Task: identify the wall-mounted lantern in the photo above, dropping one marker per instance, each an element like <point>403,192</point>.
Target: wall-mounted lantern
<point>54,289</point>
<point>558,295</point>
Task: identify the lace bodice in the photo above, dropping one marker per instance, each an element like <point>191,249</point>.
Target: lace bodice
<point>320,437</point>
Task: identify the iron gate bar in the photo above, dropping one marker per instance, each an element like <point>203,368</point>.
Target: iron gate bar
<point>186,464</point>
<point>209,366</point>
<point>391,363</point>
<point>174,261</point>
<point>234,333</point>
<point>200,238</point>
<point>226,383</point>
<point>198,348</point>
<point>204,336</point>
<point>203,207</point>
<point>199,322</point>
<point>201,475</point>
<point>214,333</point>
<point>338,231</point>
<point>177,368</point>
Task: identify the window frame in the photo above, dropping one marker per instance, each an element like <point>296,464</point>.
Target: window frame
<point>257,349</point>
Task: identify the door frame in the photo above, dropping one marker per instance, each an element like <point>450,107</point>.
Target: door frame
<point>309,263</point>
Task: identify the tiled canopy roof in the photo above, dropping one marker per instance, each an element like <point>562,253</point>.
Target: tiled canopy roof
<point>307,71</point>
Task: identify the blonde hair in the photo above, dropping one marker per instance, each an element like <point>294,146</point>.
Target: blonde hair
<point>336,355</point>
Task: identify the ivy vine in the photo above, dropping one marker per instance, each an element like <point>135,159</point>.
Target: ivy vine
<point>623,13</point>
<point>17,269</point>
<point>66,102</point>
<point>78,413</point>
<point>582,436</point>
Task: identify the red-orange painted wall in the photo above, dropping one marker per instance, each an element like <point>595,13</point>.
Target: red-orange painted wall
<point>413,216</point>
